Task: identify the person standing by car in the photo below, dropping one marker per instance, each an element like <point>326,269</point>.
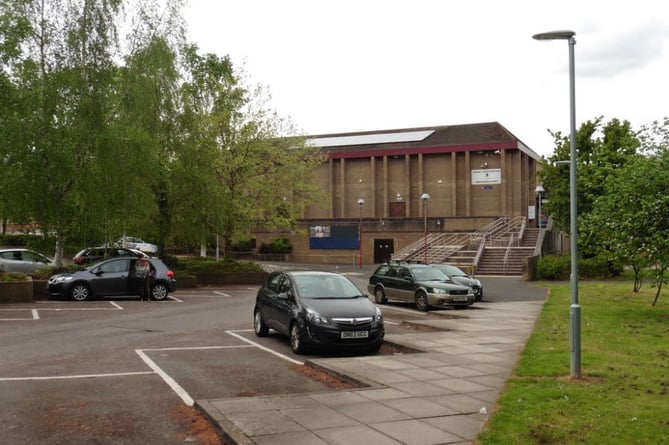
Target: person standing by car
<point>143,274</point>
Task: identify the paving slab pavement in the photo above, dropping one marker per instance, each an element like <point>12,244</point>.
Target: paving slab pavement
<point>442,395</point>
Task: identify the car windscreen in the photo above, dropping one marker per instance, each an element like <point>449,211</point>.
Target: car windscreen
<point>429,274</point>
<point>451,271</point>
<point>325,286</point>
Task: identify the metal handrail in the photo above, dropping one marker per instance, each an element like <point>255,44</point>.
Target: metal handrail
<point>479,252</point>
<point>508,252</point>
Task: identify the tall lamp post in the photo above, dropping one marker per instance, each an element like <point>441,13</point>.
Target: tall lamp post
<point>361,202</point>
<point>540,190</point>
<point>425,197</point>
<point>574,308</point>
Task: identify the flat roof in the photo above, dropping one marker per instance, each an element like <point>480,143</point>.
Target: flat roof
<point>366,139</point>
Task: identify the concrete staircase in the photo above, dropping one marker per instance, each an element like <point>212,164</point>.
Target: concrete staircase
<point>502,254</point>
<point>508,260</point>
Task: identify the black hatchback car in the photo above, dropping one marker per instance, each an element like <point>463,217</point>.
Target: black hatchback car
<point>113,277</point>
<point>316,308</point>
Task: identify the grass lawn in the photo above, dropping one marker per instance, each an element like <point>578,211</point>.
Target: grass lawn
<point>622,396</point>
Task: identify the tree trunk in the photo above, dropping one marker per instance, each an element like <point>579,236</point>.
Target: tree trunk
<point>638,277</point>
<point>659,280</point>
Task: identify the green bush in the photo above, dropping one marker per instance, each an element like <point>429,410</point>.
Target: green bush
<point>13,276</point>
<point>172,262</point>
<point>45,273</point>
<point>280,245</point>
<point>554,267</point>
<point>276,245</point>
<point>197,265</point>
<point>13,240</point>
<point>558,267</point>
<point>243,246</point>
<point>598,267</point>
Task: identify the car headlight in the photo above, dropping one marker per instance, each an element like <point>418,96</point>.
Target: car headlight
<point>377,320</point>
<point>61,279</point>
<point>316,318</point>
<point>436,290</point>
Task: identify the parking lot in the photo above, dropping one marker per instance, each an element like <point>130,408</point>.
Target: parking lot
<point>126,371</point>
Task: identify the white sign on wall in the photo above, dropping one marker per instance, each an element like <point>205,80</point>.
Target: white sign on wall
<point>487,176</point>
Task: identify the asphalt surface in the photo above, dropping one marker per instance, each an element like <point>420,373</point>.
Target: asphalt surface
<point>440,395</point>
<point>127,372</point>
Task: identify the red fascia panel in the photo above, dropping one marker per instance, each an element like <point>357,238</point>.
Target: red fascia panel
<point>421,150</point>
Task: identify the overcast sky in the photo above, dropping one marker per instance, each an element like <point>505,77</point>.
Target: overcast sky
<point>358,65</point>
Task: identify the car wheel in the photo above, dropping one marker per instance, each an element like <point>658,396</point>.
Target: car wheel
<point>379,295</point>
<point>421,302</point>
<point>479,296</point>
<point>159,292</point>
<point>80,292</point>
<point>259,325</point>
<point>296,343</point>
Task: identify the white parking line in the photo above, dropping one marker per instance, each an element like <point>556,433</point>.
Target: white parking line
<point>35,312</point>
<point>258,345</point>
<point>183,395</point>
<point>213,294</point>
<point>187,399</point>
<point>68,377</point>
<point>35,315</point>
<point>115,307</point>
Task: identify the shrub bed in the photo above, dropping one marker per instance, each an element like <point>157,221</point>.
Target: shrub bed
<point>15,288</point>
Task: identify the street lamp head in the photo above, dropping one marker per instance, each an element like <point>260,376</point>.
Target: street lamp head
<point>425,196</point>
<point>361,201</point>
<point>540,189</point>
<point>554,35</point>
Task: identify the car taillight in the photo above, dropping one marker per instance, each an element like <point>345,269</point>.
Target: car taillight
<point>170,274</point>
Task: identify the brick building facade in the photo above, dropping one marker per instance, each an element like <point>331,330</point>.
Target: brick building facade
<point>377,182</point>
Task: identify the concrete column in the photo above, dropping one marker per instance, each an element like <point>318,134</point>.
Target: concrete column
<point>407,185</point>
<point>372,180</point>
<point>453,184</point>
<point>468,184</point>
<point>386,202</point>
<point>506,188</point>
<point>342,189</point>
<point>421,183</point>
<point>331,186</point>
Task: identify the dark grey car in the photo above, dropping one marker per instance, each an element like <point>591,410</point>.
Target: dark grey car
<point>316,308</point>
<point>112,277</point>
<point>459,276</point>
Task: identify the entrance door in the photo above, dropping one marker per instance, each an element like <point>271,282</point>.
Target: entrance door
<point>383,250</point>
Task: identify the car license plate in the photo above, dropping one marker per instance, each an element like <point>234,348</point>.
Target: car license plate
<point>354,334</point>
<point>460,298</point>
